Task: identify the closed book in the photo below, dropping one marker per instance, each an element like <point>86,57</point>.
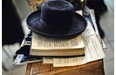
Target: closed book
<point>44,46</point>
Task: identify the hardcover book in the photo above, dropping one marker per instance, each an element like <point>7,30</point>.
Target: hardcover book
<point>44,46</point>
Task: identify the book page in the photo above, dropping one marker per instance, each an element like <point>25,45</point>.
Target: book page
<point>40,42</point>
<point>73,61</point>
<point>48,60</point>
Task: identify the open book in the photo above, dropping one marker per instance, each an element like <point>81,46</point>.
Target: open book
<point>44,46</point>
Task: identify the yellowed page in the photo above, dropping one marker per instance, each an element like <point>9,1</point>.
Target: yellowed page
<point>45,43</point>
<point>48,60</point>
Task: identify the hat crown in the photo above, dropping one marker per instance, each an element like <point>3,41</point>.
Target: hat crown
<point>57,13</point>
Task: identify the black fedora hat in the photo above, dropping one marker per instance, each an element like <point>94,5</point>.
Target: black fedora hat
<point>56,18</point>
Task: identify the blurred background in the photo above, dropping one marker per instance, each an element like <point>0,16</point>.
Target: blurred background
<point>14,29</point>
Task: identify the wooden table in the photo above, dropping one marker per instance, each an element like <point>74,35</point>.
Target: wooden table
<point>92,68</point>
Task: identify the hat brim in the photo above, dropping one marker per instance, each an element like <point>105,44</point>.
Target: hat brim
<point>35,24</point>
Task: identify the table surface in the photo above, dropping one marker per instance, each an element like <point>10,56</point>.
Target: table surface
<point>92,68</point>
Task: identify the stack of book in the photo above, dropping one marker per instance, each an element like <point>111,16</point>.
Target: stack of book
<point>44,46</point>
<point>64,52</point>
